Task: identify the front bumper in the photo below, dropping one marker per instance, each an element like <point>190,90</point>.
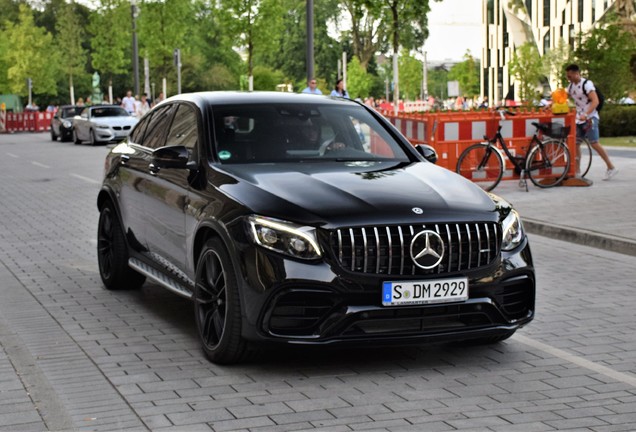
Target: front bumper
<point>318,304</point>
<point>114,133</point>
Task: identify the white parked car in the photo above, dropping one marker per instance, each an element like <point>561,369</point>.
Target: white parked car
<point>101,124</point>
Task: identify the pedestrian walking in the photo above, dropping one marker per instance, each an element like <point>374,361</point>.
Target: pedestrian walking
<point>128,102</point>
<point>585,97</point>
<point>311,87</point>
<point>339,90</point>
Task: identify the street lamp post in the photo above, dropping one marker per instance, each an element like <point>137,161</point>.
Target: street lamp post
<point>135,48</point>
<point>310,39</point>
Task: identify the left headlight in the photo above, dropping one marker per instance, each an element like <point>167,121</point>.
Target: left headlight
<point>512,231</point>
<point>101,126</point>
<point>67,124</point>
<point>284,237</point>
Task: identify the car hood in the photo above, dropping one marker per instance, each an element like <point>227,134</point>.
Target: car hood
<point>359,193</point>
<point>115,121</point>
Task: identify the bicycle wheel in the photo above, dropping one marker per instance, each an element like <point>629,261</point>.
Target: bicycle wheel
<point>584,156</point>
<point>481,164</point>
<point>548,163</point>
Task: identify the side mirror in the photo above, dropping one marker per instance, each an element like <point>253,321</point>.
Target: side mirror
<point>171,157</point>
<point>427,151</point>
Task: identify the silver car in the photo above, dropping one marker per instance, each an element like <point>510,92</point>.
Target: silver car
<point>102,123</point>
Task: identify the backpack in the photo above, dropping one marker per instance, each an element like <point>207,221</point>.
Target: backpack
<point>599,94</point>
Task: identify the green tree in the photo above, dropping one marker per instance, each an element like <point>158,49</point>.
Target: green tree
<point>438,82</point>
<point>70,34</point>
<point>266,78</point>
<point>555,61</point>
<point>30,56</point>
<point>604,54</point>
<point>411,73</point>
<point>368,34</point>
<point>254,24</point>
<point>163,26</point>
<point>359,82</point>
<point>111,27</point>
<point>467,74</point>
<point>526,66</point>
<point>407,25</point>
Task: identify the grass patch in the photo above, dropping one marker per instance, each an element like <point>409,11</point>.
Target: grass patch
<point>627,141</point>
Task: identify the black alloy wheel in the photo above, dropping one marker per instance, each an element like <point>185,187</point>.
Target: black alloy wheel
<point>112,253</point>
<point>216,305</point>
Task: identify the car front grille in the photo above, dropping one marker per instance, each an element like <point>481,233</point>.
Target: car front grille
<point>386,249</point>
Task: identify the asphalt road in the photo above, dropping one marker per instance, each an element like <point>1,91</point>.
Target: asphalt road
<point>75,356</point>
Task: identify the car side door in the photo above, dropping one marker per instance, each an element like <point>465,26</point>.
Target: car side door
<point>134,176</point>
<point>80,123</point>
<point>167,201</point>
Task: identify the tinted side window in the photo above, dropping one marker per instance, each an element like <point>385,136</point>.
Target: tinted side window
<point>184,129</point>
<point>157,129</point>
<point>137,135</point>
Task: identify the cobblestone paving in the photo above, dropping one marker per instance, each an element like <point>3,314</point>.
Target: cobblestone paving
<point>101,360</point>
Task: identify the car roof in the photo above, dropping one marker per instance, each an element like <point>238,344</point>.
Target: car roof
<point>213,98</point>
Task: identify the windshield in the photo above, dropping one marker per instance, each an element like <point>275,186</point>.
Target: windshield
<point>71,112</point>
<point>109,112</point>
<point>299,132</point>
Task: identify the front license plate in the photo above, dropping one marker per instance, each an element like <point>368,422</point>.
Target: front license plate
<point>424,292</point>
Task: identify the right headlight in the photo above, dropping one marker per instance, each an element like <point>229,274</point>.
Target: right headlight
<point>512,231</point>
<point>284,237</point>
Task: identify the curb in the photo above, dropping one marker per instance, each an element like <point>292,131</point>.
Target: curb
<point>579,236</point>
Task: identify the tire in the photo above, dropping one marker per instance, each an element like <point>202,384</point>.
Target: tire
<point>112,253</point>
<point>217,308</point>
<point>76,140</point>
<point>482,165</point>
<point>547,165</point>
<point>53,136</point>
<point>584,155</point>
<point>92,137</point>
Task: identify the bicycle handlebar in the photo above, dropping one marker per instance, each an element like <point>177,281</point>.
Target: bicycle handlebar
<point>504,111</point>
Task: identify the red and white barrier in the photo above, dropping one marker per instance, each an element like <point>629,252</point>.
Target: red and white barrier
<point>27,122</point>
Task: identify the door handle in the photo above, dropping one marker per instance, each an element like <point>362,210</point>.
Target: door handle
<point>124,159</point>
<point>153,169</point>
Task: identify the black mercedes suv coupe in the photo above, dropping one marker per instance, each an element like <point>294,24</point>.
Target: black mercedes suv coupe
<point>304,219</point>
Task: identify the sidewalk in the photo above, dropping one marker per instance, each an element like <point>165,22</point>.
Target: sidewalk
<point>602,215</point>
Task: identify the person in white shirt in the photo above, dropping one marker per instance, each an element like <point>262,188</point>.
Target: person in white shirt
<point>587,118</point>
<point>311,87</point>
<point>143,107</point>
<point>128,103</point>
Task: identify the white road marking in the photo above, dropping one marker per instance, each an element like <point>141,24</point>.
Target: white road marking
<point>13,155</point>
<point>86,179</point>
<point>40,164</point>
<point>579,361</point>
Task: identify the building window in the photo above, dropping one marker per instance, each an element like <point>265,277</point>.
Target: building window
<point>490,11</point>
<point>580,11</point>
<point>571,36</point>
<point>505,31</point>
<point>546,12</point>
<point>529,7</point>
<point>593,12</point>
<point>546,42</point>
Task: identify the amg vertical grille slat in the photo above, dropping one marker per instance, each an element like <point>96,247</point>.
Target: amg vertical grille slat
<point>377,249</point>
<point>478,245</point>
<point>353,250</point>
<point>388,233</point>
<point>387,249</point>
<point>366,250</point>
<point>401,250</point>
<point>459,241</point>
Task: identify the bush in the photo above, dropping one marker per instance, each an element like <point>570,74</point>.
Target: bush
<point>618,120</point>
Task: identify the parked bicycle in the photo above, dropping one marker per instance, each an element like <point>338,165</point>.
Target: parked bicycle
<point>583,153</point>
<point>546,162</point>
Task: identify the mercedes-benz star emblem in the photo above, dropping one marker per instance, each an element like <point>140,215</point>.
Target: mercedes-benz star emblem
<point>417,210</point>
<point>427,249</point>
